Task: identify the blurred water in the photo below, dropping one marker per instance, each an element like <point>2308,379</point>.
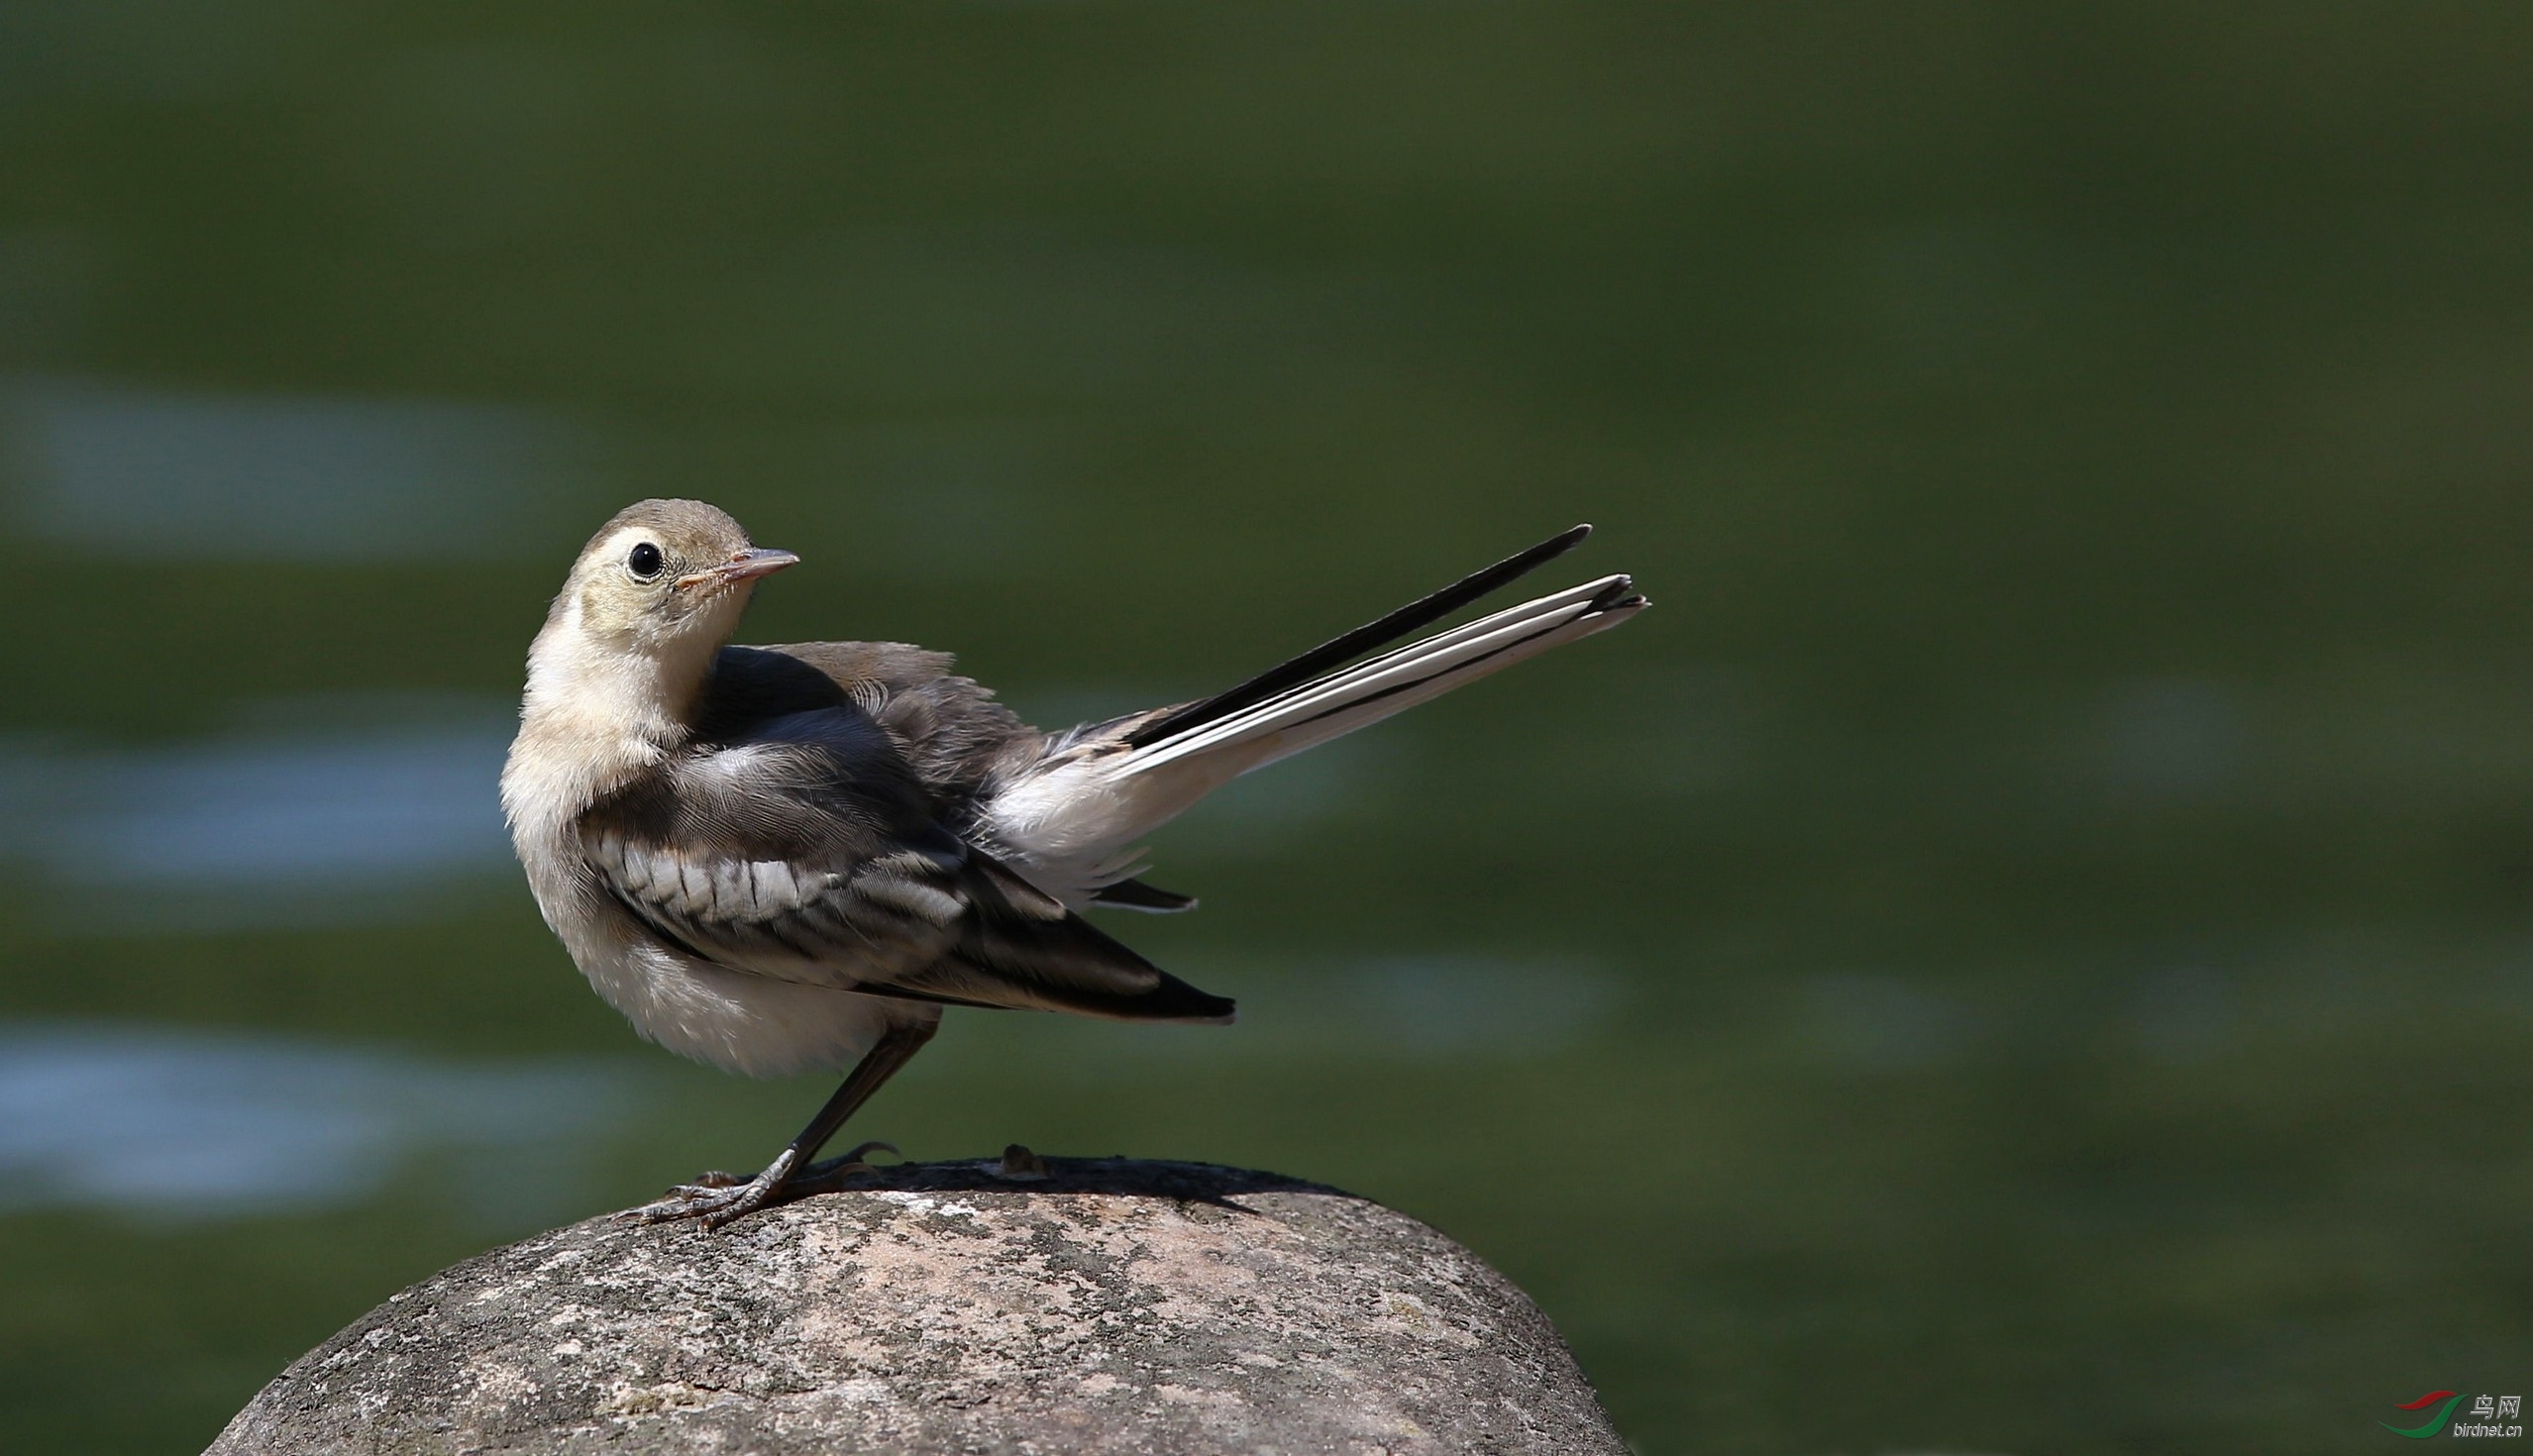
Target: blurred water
<point>175,1125</point>
<point>201,476</point>
<point>285,826</point>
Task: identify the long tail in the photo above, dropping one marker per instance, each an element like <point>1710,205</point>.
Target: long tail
<point>1073,823</point>
<point>1313,712</point>
<point>1423,611</point>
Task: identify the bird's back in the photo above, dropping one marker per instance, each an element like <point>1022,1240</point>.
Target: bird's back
<point>957,737</point>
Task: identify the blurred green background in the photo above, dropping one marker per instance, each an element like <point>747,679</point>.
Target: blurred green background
<point>2026,949</point>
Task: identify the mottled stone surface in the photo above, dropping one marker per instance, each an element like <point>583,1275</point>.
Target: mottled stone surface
<point>1113,1307</point>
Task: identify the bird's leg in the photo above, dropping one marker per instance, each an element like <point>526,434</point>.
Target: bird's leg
<point>718,1198</point>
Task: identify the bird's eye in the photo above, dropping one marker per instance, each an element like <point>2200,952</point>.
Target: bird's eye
<point>644,561</point>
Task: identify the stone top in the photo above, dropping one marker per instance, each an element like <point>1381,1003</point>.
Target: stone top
<point>1099,1305</point>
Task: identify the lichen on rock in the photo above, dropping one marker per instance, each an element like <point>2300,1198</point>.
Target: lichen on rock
<point>1106,1306</point>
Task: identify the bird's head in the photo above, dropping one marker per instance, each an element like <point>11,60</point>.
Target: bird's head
<point>652,596</point>
<point>663,575</point>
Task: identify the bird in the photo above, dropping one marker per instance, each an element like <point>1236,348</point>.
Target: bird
<point>791,859</point>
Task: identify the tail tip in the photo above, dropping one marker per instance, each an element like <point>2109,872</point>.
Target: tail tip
<point>1620,595</point>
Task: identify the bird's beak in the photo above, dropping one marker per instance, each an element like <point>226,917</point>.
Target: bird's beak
<point>747,565</point>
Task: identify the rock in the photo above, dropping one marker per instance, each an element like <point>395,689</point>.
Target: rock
<point>1106,1305</point>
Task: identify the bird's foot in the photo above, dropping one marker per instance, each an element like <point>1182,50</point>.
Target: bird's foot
<point>715,1200</point>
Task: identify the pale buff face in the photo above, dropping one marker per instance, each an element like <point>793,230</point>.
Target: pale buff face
<point>651,585</point>
<point>631,635</point>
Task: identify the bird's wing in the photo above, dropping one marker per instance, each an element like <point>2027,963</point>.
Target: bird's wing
<point>950,730</point>
<point>807,852</point>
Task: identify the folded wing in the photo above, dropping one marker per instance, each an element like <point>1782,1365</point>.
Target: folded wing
<point>806,852</point>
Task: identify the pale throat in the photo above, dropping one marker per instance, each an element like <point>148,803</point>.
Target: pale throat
<point>615,708</point>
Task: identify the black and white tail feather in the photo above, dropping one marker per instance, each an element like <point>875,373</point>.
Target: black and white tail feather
<point>1073,819</point>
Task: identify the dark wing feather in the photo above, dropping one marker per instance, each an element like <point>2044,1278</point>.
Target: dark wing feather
<point>1021,947</point>
<point>952,731</point>
<point>807,850</point>
<point>1134,895</point>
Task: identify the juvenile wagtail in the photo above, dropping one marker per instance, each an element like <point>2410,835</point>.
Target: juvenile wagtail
<point>785,858</point>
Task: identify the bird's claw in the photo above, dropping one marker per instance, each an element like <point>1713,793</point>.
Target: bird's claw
<point>716,1200</point>
<point>713,1205</point>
